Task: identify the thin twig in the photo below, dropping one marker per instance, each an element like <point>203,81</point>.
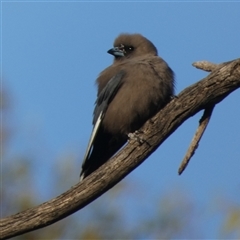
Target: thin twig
<point>205,65</point>
<point>197,137</point>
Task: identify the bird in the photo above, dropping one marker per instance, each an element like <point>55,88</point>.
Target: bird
<point>130,91</point>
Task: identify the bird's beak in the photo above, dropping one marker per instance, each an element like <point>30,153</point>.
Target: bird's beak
<point>116,52</point>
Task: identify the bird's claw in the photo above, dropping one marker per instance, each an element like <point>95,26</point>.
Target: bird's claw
<point>173,97</point>
<point>134,136</point>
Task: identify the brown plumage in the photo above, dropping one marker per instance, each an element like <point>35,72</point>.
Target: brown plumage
<point>130,91</point>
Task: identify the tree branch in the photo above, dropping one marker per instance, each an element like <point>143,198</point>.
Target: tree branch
<point>223,80</point>
<point>197,137</point>
<point>209,67</point>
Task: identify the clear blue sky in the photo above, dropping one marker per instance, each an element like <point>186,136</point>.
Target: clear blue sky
<point>52,52</point>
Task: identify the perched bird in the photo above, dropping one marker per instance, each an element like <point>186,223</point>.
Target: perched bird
<point>130,91</point>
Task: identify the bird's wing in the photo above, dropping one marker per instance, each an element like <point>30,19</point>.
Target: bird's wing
<point>102,102</point>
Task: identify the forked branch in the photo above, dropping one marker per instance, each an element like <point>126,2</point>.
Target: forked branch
<point>223,80</point>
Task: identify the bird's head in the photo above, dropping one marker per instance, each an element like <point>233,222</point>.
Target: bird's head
<point>128,46</point>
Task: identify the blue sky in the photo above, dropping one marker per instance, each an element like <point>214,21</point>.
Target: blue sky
<point>52,52</point>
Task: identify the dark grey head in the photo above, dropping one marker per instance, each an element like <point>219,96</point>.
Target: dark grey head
<point>132,45</point>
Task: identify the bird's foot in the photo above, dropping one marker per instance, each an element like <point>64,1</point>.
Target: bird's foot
<point>134,136</point>
<point>173,97</point>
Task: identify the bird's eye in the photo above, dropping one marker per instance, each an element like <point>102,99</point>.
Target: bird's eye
<point>130,49</point>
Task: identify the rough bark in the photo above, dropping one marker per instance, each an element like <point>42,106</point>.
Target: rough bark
<point>224,79</point>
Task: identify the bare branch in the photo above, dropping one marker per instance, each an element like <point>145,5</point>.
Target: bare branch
<point>197,137</point>
<point>209,91</point>
<point>205,65</point>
